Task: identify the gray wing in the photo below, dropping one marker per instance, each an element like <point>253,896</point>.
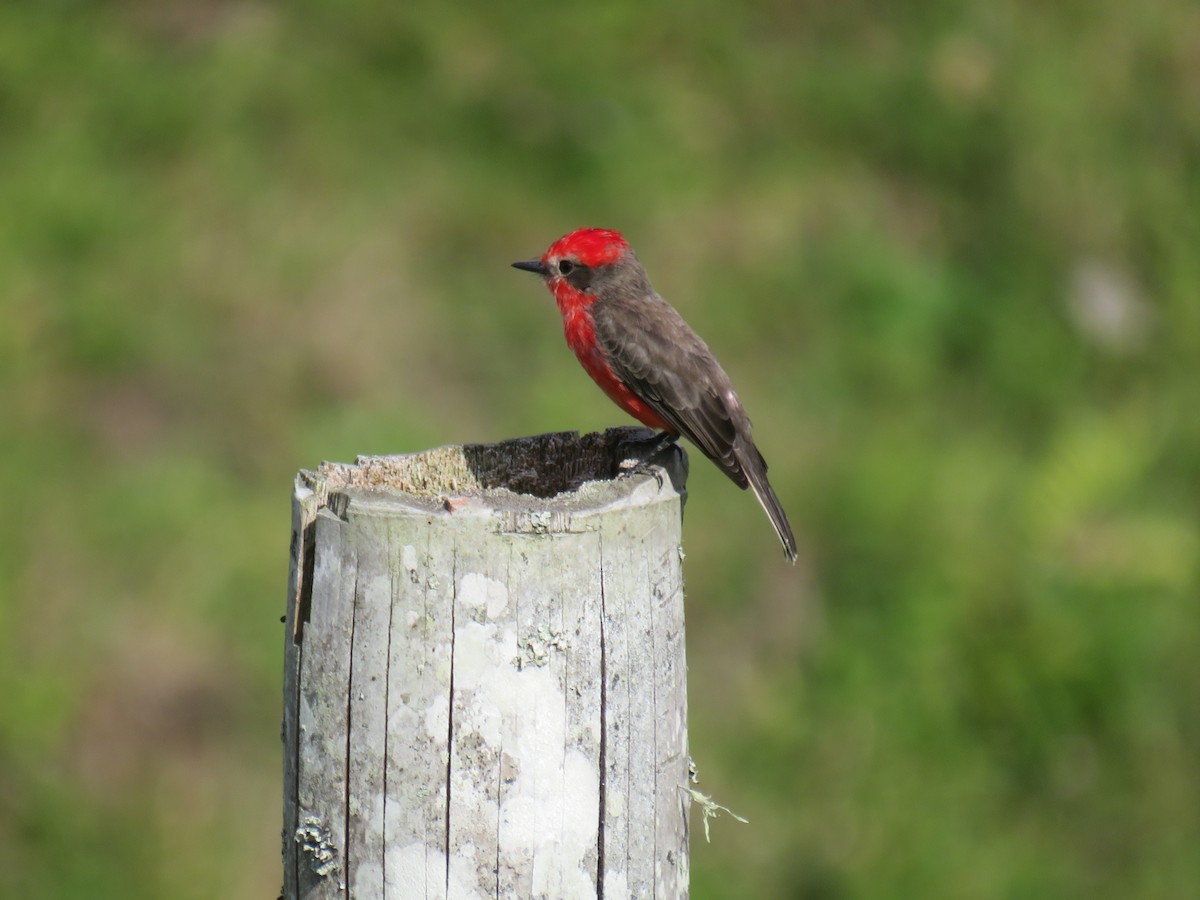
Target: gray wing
<point>666,364</point>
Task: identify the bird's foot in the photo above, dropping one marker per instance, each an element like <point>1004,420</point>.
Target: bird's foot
<point>645,450</point>
<point>631,467</point>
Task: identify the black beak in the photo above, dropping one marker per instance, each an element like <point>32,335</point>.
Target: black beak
<point>531,265</point>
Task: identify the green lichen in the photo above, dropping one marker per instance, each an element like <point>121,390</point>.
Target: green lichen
<point>708,807</point>
<point>535,649</point>
<point>314,840</point>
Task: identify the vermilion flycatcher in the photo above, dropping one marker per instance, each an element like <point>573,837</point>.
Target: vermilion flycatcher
<point>648,360</point>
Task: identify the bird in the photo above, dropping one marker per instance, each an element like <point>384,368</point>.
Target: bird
<point>648,360</point>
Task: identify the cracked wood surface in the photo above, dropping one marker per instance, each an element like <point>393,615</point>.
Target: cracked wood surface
<point>485,682</point>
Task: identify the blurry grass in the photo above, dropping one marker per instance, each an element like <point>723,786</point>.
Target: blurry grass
<point>238,238</point>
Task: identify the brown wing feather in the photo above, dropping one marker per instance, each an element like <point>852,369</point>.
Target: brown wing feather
<point>662,360</point>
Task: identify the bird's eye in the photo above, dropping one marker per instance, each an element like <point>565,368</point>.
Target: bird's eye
<point>566,267</point>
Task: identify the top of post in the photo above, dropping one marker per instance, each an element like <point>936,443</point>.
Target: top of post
<point>549,484</point>
<point>558,472</point>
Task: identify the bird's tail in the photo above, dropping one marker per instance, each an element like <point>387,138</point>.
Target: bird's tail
<point>755,468</point>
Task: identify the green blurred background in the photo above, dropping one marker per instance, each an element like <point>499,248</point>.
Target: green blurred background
<point>950,253</point>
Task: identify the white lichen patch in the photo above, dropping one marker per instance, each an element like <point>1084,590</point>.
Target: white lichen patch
<point>474,651</point>
<point>408,559</point>
<point>419,871</point>
<point>616,805</point>
<point>616,884</point>
<point>514,721</point>
<point>437,718</point>
<point>480,592</point>
<point>557,846</point>
<point>477,650</point>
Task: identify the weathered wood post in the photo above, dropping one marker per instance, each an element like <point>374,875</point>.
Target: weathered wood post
<point>485,686</point>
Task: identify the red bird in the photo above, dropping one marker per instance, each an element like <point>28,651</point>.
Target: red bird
<point>642,353</point>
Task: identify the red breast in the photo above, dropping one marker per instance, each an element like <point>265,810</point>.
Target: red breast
<point>580,332</point>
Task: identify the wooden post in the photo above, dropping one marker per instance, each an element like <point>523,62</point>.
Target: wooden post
<point>485,686</point>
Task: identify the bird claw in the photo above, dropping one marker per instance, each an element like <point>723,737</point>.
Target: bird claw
<point>640,463</point>
<point>630,467</point>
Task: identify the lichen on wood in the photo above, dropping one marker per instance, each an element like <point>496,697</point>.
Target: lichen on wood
<point>486,684</point>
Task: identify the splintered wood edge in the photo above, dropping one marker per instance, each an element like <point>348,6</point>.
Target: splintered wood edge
<point>533,472</point>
